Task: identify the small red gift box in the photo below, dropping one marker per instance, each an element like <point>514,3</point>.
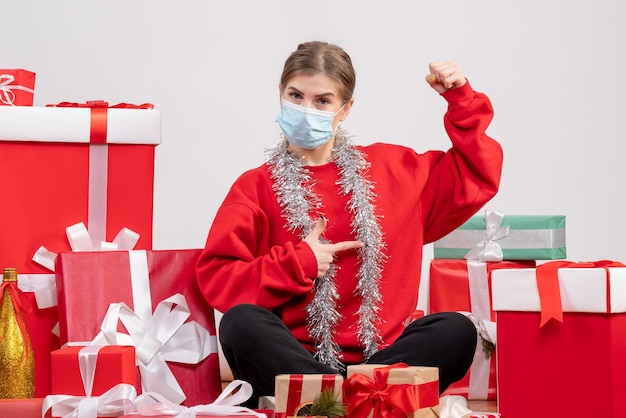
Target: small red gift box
<point>156,298</point>
<point>53,175</point>
<point>575,363</point>
<point>17,87</point>
<point>98,368</point>
<point>293,390</point>
<point>465,286</point>
<point>374,390</point>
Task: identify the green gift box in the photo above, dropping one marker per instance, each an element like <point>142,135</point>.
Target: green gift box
<point>497,237</point>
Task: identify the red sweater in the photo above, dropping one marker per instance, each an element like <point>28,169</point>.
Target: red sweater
<point>250,257</point>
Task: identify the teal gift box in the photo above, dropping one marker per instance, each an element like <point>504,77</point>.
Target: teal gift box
<point>497,237</point>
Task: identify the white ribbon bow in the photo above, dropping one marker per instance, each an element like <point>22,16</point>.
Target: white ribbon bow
<point>154,404</point>
<point>453,406</point>
<point>44,285</point>
<point>160,338</point>
<point>488,249</point>
<point>118,400</point>
<point>6,89</point>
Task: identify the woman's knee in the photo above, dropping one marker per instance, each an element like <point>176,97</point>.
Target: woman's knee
<point>237,320</point>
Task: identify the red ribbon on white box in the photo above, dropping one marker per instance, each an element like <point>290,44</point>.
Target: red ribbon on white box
<point>154,404</point>
<point>6,89</point>
<point>159,337</point>
<point>488,249</point>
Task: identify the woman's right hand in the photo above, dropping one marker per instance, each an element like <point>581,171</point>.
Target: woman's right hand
<point>325,253</point>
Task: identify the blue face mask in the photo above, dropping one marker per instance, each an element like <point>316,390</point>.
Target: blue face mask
<point>305,127</point>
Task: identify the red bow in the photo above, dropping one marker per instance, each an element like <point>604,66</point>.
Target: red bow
<point>549,289</point>
<point>102,104</point>
<point>363,395</point>
<point>98,130</point>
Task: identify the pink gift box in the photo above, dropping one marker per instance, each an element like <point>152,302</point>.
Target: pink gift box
<point>465,285</point>
<point>89,282</point>
<point>17,87</point>
<point>572,368</point>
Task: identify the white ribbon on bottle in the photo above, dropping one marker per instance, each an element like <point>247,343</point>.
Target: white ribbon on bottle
<point>6,89</point>
<point>154,404</point>
<point>159,337</point>
<point>118,400</point>
<point>487,249</point>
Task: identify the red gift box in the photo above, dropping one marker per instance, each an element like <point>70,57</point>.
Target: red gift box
<point>576,367</point>
<point>52,177</point>
<point>465,285</point>
<point>151,285</point>
<point>17,87</point>
<point>110,365</point>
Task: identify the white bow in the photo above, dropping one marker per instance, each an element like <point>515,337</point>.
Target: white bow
<point>44,285</point>
<point>488,249</point>
<point>454,406</point>
<point>153,404</point>
<point>160,338</point>
<point>116,401</point>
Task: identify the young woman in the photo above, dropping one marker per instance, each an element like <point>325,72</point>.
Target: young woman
<point>315,256</point>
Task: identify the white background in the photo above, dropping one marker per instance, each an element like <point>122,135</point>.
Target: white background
<point>554,71</point>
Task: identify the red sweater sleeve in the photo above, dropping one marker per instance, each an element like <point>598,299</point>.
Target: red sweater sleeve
<point>237,266</point>
<point>467,176</point>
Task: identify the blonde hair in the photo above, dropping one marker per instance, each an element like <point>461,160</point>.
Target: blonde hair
<point>317,57</point>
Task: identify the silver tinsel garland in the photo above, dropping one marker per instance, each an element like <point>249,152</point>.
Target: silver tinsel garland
<point>293,187</point>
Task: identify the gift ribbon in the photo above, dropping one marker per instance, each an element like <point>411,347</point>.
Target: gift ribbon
<point>7,96</point>
<point>487,249</point>
<point>118,400</point>
<point>159,337</point>
<point>98,161</point>
<point>363,395</point>
<point>87,358</point>
<point>155,404</point>
<point>44,285</point>
<point>478,278</point>
<point>103,104</point>
<point>295,392</point>
<point>547,276</point>
<point>454,406</point>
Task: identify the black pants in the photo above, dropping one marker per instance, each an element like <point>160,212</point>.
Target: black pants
<point>258,346</point>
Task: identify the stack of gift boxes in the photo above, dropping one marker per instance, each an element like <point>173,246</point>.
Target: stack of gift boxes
<point>117,326</point>
<point>110,317</point>
<point>552,332</point>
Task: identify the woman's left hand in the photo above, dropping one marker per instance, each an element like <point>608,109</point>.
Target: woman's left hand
<point>445,75</point>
